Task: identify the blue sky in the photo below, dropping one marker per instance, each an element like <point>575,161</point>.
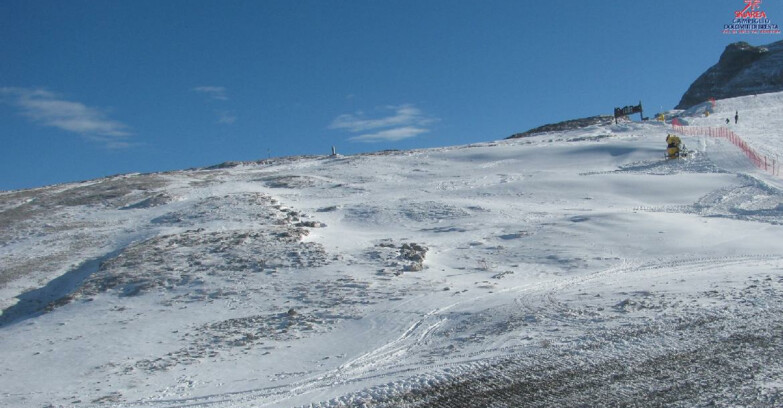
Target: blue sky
<point>96,88</point>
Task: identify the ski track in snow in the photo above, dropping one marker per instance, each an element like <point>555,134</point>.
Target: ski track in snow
<point>561,269</point>
<point>360,369</point>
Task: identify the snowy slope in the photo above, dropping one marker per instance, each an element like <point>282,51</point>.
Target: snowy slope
<point>760,120</point>
<point>560,269</point>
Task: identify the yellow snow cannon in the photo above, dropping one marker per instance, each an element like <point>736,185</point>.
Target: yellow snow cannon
<point>673,145</point>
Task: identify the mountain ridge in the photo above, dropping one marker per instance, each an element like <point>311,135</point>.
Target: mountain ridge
<point>742,70</point>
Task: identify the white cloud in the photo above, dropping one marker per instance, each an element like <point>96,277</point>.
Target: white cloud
<point>214,92</point>
<point>390,135</point>
<point>49,109</point>
<point>402,122</point>
<point>226,117</point>
<point>218,93</point>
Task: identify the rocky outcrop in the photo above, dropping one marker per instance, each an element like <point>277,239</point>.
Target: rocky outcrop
<point>742,70</point>
<point>414,254</point>
<point>567,125</point>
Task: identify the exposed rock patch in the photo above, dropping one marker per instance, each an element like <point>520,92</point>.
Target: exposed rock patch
<point>742,70</point>
<point>573,124</point>
<point>413,254</point>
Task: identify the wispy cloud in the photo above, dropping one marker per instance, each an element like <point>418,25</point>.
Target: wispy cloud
<point>50,109</point>
<point>390,135</point>
<point>398,123</point>
<point>226,117</point>
<point>218,93</point>
<point>213,92</point>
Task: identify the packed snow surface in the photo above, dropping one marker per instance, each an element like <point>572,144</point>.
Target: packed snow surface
<point>571,268</point>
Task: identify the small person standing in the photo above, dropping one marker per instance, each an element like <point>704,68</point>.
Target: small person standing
<point>736,117</point>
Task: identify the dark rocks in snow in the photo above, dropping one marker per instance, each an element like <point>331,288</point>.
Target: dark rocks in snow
<point>178,260</point>
<point>502,275</point>
<point>310,224</point>
<point>292,235</point>
<point>149,202</point>
<point>291,182</point>
<point>573,124</point>
<point>414,267</point>
<point>742,70</point>
<point>408,257</point>
<point>414,254</point>
<point>224,165</point>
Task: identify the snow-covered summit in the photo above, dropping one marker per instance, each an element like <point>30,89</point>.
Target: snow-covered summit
<point>569,268</point>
